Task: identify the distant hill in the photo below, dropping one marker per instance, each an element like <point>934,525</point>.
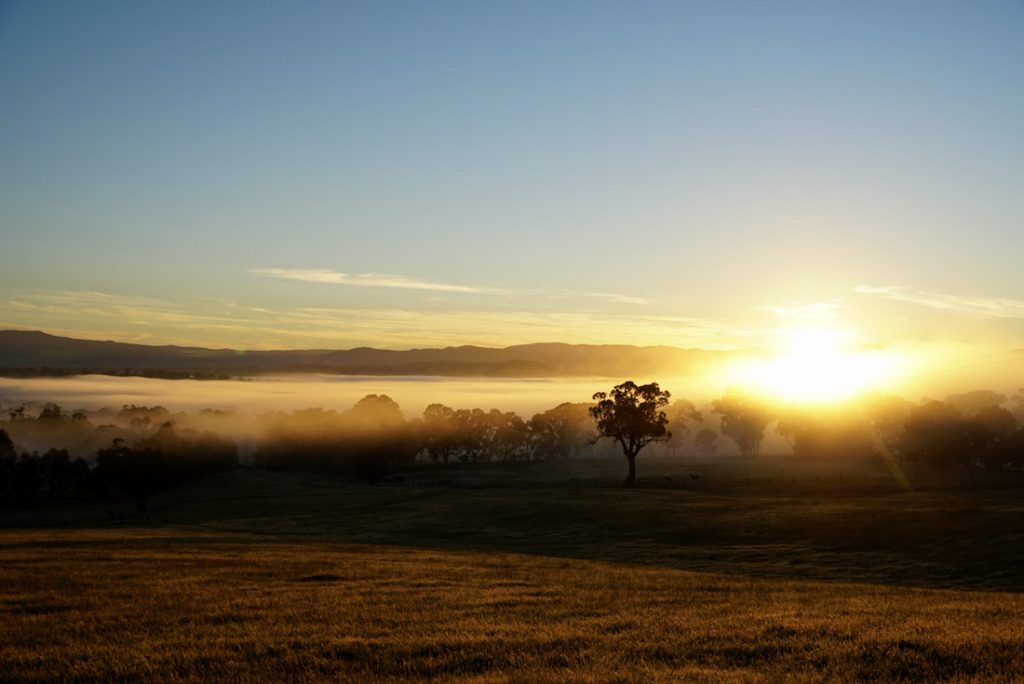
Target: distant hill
<point>37,353</point>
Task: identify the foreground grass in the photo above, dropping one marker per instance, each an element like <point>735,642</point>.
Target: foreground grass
<point>768,571</point>
<point>176,605</point>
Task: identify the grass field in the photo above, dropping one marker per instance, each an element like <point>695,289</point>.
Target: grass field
<point>544,572</point>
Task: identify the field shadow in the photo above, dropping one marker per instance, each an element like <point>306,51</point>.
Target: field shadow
<point>864,531</point>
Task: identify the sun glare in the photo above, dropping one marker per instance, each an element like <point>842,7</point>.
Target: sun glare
<point>816,365</point>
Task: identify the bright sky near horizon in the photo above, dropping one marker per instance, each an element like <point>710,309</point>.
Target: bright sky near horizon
<point>273,174</point>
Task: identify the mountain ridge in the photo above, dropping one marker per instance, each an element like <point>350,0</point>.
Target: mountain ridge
<point>28,352</point>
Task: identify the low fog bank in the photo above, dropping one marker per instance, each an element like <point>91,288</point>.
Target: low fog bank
<point>297,392</point>
<point>139,449</point>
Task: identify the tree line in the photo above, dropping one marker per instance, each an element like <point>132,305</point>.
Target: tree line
<point>140,450</point>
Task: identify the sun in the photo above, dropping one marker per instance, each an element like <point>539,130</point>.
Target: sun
<point>816,366</point>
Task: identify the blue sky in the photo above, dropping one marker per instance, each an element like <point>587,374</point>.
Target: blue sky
<point>405,174</point>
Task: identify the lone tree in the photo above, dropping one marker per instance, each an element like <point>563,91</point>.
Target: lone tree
<point>631,416</point>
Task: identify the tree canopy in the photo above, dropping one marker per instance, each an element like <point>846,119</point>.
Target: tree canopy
<point>631,416</point>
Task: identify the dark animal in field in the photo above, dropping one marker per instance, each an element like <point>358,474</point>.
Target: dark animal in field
<point>667,480</point>
<point>694,476</point>
<point>116,518</point>
<point>141,506</point>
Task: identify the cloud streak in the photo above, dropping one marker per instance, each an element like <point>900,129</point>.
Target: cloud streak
<point>387,280</point>
<point>223,323</point>
<point>323,275</point>
<point>801,311</point>
<point>975,307</point>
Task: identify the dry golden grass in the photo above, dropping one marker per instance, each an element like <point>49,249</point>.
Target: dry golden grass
<point>175,605</point>
<point>545,572</point>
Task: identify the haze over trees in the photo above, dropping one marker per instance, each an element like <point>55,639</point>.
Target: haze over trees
<point>47,452</point>
<point>682,414</point>
<point>744,419</point>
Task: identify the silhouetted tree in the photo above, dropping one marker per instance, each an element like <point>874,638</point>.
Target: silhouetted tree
<point>164,459</point>
<point>28,478</point>
<point>631,416</point>
<point>6,446</point>
<point>8,466</point>
<point>143,415</point>
<point>1000,439</point>
<point>508,436</point>
<point>51,412</point>
<point>937,434</point>
<point>472,427</point>
<point>376,438</point>
<point>440,438</point>
<point>56,464</point>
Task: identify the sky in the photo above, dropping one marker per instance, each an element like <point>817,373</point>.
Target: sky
<point>304,174</point>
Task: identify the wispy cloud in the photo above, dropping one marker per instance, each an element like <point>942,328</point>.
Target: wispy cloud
<point>388,280</point>
<point>800,311</point>
<point>607,296</point>
<point>210,322</point>
<point>323,275</point>
<point>965,305</point>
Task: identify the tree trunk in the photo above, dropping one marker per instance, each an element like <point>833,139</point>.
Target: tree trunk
<point>631,478</point>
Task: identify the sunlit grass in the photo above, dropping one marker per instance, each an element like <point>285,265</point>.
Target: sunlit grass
<point>177,606</point>
<point>767,571</point>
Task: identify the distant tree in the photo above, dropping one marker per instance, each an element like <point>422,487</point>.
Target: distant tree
<point>788,426</point>
<point>440,438</point>
<point>706,442</point>
<point>826,432</point>
<point>969,403</point>
<point>560,431</point>
<point>996,418</point>
<point>1001,441</point>
<point>51,412</point>
<point>8,466</point>
<point>509,436</point>
<point>744,420</point>
<point>376,438</point>
<point>165,459</point>
<point>375,410</point>
<point>1017,405</point>
<point>631,416</point>
<point>130,414</point>
<point>472,428</point>
<point>681,414</point>
<point>887,415</point>
<point>937,434</point>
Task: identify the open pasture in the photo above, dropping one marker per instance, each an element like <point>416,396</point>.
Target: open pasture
<point>545,572</point>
